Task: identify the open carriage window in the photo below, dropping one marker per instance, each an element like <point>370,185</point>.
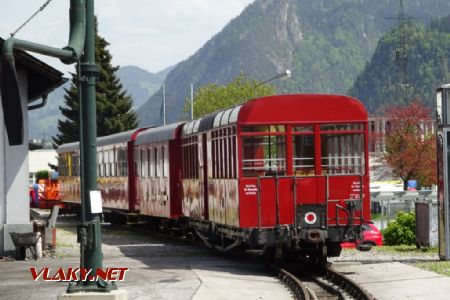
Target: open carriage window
<point>304,162</point>
<point>264,155</point>
<point>343,153</point>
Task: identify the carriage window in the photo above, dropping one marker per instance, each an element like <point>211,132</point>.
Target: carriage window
<point>164,161</point>
<point>343,127</point>
<point>106,160</point>
<point>112,162</point>
<point>100,164</point>
<point>343,154</point>
<point>309,129</point>
<point>149,162</point>
<point>264,156</point>
<point>122,162</point>
<point>156,162</point>
<point>303,147</point>
<point>264,128</point>
<point>63,163</point>
<point>143,163</point>
<point>190,158</point>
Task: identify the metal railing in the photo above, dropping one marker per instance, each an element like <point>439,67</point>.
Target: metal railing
<point>385,206</point>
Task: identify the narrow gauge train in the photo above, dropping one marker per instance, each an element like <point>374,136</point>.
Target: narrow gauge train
<point>276,174</point>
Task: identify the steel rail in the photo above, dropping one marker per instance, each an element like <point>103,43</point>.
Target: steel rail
<point>298,289</point>
<point>299,281</point>
<point>346,284</point>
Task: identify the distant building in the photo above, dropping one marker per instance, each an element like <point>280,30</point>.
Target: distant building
<point>378,128</point>
<point>35,80</point>
<point>39,160</point>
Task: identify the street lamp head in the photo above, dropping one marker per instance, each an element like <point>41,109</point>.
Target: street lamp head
<point>285,75</point>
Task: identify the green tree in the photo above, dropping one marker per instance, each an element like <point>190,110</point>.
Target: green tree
<point>114,106</point>
<point>213,97</point>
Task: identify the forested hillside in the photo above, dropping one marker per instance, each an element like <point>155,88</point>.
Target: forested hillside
<point>325,43</point>
<point>426,66</point>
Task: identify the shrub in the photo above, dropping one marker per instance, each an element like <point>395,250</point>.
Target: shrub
<point>42,174</point>
<point>401,231</point>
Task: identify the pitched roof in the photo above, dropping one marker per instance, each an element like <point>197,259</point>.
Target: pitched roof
<point>42,79</point>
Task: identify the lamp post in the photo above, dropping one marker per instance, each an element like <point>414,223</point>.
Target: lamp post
<point>192,101</point>
<point>164,103</point>
<point>286,74</point>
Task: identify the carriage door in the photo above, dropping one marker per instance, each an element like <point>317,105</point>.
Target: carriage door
<point>264,159</point>
<point>275,201</point>
<point>203,173</point>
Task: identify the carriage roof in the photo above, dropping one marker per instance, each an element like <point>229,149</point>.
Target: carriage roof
<point>117,138</point>
<point>300,108</point>
<point>158,134</point>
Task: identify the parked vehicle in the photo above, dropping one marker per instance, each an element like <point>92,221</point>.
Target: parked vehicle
<point>371,237</point>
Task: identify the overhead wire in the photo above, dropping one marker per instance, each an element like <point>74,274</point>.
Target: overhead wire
<point>43,6</point>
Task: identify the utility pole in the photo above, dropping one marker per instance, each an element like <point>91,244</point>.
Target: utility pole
<point>192,101</point>
<point>443,171</point>
<point>164,103</point>
<point>402,55</point>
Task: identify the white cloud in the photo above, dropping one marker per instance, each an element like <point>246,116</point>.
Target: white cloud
<point>152,34</point>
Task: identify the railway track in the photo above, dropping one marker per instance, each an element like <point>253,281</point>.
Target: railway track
<point>308,282</point>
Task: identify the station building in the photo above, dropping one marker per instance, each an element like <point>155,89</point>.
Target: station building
<point>36,79</point>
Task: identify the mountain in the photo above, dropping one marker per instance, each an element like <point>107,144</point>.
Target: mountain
<point>139,83</point>
<point>325,43</point>
<point>425,66</point>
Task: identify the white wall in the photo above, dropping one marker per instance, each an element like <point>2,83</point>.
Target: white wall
<point>14,199</point>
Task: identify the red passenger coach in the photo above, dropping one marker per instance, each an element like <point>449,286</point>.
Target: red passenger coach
<point>157,153</point>
<point>115,161</point>
<point>279,171</point>
<point>276,175</point>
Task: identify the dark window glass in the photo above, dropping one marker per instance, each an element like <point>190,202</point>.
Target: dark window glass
<point>304,162</point>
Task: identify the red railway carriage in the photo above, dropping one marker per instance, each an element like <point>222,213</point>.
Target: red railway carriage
<point>276,174</point>
<point>115,161</point>
<point>277,171</point>
<point>157,154</point>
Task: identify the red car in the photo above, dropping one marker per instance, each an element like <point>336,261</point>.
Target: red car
<point>371,237</point>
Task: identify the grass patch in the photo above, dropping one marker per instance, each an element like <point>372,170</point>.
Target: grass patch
<point>376,217</point>
<point>440,267</point>
<point>403,249</point>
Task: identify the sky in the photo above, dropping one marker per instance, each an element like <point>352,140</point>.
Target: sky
<point>151,34</point>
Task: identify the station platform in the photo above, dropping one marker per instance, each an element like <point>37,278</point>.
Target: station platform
<point>395,280</point>
<point>197,278</point>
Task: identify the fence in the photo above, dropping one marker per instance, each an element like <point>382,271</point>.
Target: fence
<point>387,205</point>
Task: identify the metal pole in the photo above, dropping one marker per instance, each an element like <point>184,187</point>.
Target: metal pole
<point>164,104</point>
<point>192,101</point>
<point>89,228</point>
